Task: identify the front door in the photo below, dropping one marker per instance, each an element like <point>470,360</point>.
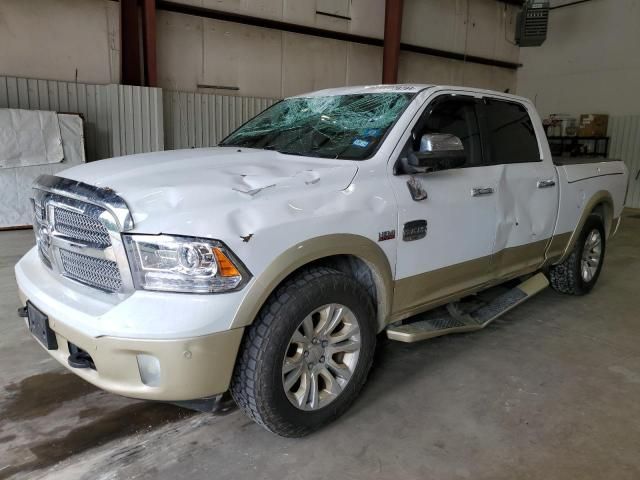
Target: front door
<point>447,218</point>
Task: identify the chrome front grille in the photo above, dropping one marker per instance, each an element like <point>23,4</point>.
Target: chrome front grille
<point>44,257</point>
<point>79,226</point>
<point>96,272</point>
<point>38,211</point>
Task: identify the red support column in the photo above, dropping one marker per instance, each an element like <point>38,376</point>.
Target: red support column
<point>392,33</point>
<point>130,43</point>
<point>149,42</point>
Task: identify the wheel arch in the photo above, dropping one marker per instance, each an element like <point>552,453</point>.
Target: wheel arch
<point>358,256</point>
<point>600,203</point>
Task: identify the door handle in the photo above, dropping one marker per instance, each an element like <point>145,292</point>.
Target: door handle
<point>546,183</point>
<point>479,192</point>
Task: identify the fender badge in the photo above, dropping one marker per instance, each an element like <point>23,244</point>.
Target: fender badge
<point>386,235</point>
<point>414,230</point>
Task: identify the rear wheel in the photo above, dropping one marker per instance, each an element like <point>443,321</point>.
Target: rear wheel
<point>307,355</point>
<point>579,272</point>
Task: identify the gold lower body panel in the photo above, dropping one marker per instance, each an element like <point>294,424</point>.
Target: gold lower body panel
<point>418,293</point>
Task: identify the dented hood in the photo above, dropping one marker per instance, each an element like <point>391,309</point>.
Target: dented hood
<point>164,183</point>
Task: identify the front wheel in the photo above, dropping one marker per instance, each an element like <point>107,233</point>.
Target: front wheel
<point>308,353</point>
<point>578,274</point>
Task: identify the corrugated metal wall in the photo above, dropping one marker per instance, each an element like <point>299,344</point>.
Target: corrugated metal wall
<point>92,101</point>
<point>625,144</point>
<point>119,119</point>
<point>136,119</point>
<point>202,120</point>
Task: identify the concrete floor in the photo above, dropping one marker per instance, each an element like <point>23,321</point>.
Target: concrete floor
<point>551,390</point>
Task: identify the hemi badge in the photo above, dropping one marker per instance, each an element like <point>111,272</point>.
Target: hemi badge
<point>414,230</point>
<point>386,235</point>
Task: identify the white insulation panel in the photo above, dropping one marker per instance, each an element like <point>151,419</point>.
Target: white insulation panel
<point>15,182</point>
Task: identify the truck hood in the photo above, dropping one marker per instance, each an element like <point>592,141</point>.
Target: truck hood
<point>162,183</point>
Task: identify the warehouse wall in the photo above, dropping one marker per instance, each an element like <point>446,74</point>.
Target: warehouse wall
<point>270,63</point>
<point>55,38</point>
<point>590,61</point>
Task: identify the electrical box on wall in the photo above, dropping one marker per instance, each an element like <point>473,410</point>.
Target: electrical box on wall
<point>531,27</point>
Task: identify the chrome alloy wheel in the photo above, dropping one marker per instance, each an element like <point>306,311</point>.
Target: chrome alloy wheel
<point>591,255</point>
<point>321,357</point>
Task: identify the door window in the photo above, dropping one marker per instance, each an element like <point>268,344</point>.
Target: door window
<point>512,138</point>
<point>454,115</point>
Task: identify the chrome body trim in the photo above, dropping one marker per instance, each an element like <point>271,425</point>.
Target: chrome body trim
<point>100,204</point>
<point>101,196</point>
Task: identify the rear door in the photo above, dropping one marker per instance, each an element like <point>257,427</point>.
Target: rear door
<point>527,190</point>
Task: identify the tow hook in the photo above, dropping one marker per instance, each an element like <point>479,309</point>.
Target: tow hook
<point>79,358</point>
<point>22,312</point>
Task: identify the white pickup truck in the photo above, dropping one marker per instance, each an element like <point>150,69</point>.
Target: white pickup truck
<point>268,265</point>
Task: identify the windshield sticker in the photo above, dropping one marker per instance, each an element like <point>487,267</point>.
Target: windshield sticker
<point>358,142</point>
<point>372,132</point>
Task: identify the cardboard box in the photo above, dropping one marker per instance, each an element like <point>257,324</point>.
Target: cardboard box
<point>593,125</point>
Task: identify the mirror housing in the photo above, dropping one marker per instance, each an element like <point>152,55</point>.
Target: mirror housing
<point>438,151</point>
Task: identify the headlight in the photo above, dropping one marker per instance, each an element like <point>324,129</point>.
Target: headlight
<point>183,264</point>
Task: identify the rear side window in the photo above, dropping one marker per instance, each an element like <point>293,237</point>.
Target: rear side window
<point>512,138</point>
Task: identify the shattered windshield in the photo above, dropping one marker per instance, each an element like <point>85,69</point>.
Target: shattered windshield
<point>347,127</point>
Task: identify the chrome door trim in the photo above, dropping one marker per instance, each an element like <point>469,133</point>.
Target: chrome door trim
<point>481,191</point>
<point>546,183</point>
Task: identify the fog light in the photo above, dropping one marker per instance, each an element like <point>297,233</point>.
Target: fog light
<point>149,367</point>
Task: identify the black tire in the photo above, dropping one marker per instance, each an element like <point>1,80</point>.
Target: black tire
<point>257,385</point>
<point>566,277</point>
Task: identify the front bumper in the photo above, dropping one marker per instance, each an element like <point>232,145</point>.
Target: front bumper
<point>193,363</point>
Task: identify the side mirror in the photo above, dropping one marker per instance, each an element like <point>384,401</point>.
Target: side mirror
<point>438,151</point>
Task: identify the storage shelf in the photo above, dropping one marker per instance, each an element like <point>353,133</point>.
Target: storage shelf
<point>579,146</point>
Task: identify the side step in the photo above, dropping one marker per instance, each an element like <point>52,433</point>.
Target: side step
<point>446,323</point>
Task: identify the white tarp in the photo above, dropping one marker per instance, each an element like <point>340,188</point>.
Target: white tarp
<point>29,137</point>
<point>15,182</point>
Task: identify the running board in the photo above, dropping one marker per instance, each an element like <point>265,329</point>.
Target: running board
<point>476,320</point>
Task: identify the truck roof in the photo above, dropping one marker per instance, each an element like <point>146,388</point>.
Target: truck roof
<point>404,87</point>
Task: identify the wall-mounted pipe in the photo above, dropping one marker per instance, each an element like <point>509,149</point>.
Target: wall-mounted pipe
<point>570,4</point>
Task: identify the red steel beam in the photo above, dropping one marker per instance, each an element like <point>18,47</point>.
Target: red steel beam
<point>392,34</point>
<point>149,42</point>
<point>130,43</point>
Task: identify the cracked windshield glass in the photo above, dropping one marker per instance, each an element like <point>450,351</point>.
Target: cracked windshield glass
<point>349,127</point>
